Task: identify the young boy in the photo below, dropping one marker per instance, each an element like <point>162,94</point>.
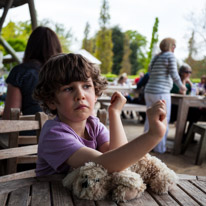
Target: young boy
<point>68,87</point>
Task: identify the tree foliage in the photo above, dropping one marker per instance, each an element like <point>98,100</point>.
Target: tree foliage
<point>118,41</point>
<point>137,45</point>
<point>198,66</point>
<point>103,50</point>
<point>154,40</point>
<point>16,34</point>
<point>88,43</point>
<point>126,65</point>
<point>65,36</point>
<point>198,26</point>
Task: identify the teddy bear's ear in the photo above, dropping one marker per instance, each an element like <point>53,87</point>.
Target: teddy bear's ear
<point>69,179</point>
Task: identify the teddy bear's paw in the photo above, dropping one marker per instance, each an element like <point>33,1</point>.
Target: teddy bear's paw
<point>124,194</point>
<point>127,185</point>
<point>164,182</point>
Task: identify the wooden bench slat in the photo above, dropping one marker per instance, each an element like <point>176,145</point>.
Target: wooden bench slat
<point>128,107</point>
<point>18,151</point>
<point>19,175</point>
<point>27,159</point>
<point>17,125</point>
<point>27,140</point>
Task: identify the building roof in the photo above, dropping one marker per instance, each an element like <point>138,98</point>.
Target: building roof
<point>88,56</point>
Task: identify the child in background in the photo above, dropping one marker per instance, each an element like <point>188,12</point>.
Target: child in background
<point>68,87</point>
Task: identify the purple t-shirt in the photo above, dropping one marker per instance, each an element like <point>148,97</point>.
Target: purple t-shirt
<point>58,141</point>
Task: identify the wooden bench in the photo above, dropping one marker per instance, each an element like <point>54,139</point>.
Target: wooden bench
<point>15,154</point>
<point>131,108</point>
<point>201,152</point>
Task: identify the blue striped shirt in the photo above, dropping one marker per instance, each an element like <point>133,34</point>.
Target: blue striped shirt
<point>162,74</point>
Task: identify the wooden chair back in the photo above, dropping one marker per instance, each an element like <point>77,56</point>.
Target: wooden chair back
<point>19,123</point>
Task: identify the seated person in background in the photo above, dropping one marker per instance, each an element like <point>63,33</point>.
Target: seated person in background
<point>194,114</point>
<point>185,72</point>
<point>202,86</point>
<point>123,81</point>
<point>140,90</point>
<point>136,80</point>
<point>42,44</point>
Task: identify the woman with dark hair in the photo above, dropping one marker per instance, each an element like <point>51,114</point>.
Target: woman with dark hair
<point>42,44</point>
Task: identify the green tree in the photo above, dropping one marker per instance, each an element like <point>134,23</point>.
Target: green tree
<point>16,34</point>
<point>138,44</point>
<point>198,66</point>
<point>154,40</point>
<point>118,42</point>
<point>65,36</point>
<point>126,65</point>
<point>103,50</point>
<point>88,44</point>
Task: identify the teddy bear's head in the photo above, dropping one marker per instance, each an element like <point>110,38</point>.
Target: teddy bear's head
<point>90,181</point>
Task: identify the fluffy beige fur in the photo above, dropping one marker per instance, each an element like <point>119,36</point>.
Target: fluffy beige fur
<point>93,182</point>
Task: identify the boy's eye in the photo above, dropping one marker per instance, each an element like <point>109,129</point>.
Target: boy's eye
<point>68,89</point>
<point>87,86</point>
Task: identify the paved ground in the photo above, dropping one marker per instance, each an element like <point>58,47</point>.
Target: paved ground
<point>182,164</point>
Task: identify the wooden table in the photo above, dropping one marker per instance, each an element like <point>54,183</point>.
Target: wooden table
<point>124,89</point>
<point>47,191</point>
<point>184,102</point>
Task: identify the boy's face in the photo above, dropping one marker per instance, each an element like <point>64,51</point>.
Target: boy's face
<point>76,101</point>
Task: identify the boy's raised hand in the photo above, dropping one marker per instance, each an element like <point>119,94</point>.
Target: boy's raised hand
<point>157,119</point>
<point>117,102</point>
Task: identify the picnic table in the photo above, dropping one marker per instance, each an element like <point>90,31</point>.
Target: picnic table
<point>47,191</point>
<point>124,89</point>
<point>184,102</point>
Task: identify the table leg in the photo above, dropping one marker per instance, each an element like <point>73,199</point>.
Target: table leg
<point>183,108</point>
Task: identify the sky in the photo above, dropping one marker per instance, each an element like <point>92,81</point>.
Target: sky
<point>138,15</point>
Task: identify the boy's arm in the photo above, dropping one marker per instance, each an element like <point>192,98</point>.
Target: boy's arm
<point>117,133</point>
<point>126,155</point>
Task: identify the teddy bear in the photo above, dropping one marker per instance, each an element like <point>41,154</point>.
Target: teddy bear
<point>93,182</point>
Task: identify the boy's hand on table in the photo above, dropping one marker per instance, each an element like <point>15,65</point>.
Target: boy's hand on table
<point>157,119</point>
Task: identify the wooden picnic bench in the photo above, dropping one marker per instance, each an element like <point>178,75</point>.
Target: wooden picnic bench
<point>191,190</point>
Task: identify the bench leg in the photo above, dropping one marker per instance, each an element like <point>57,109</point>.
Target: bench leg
<point>188,140</point>
<point>201,153</point>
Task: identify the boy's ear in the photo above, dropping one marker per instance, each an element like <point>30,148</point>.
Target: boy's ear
<point>96,98</point>
<point>51,105</point>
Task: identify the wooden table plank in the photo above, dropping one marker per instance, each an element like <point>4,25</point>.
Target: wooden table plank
<point>3,198</point>
<point>61,195</point>
<point>181,197</point>
<point>200,184</point>
<point>105,203</point>
<point>80,202</point>
<point>193,191</point>
<point>19,197</point>
<point>41,194</point>
<point>6,187</point>
<point>164,200</point>
<point>201,178</point>
<point>144,200</point>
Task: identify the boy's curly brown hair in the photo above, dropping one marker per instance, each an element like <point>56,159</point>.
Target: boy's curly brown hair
<point>63,69</point>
